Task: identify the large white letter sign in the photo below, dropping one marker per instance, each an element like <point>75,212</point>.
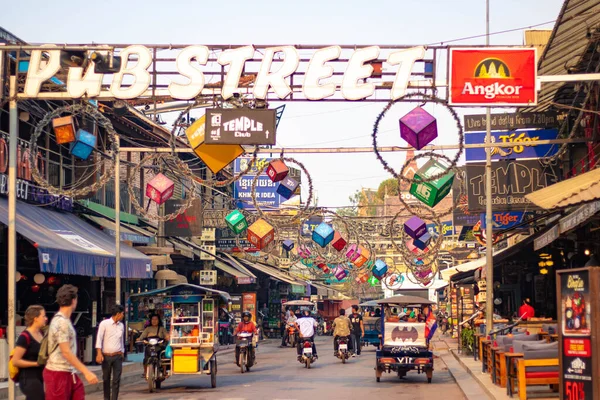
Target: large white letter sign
<point>185,68</point>
<point>41,70</point>
<point>276,79</point>
<point>141,77</point>
<point>235,58</point>
<point>317,70</point>
<point>79,85</point>
<point>406,58</point>
<point>356,71</point>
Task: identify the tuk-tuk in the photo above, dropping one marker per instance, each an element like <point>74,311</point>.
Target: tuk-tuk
<point>190,314</point>
<point>404,345</point>
<point>372,325</point>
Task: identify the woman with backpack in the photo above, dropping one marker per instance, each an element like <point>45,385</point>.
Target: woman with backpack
<point>26,353</point>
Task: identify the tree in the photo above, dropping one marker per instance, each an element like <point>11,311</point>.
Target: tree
<point>388,187</point>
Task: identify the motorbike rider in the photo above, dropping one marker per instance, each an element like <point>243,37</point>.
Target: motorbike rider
<point>154,330</point>
<point>306,324</point>
<point>246,326</point>
<point>290,321</point>
<point>342,327</point>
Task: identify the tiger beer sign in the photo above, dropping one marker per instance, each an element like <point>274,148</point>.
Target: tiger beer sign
<point>492,77</point>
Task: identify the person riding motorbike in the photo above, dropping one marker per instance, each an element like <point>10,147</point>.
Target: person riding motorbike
<point>246,326</point>
<point>154,330</point>
<point>342,327</point>
<point>306,325</point>
<point>291,320</point>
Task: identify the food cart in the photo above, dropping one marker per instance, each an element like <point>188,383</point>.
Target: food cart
<point>190,314</point>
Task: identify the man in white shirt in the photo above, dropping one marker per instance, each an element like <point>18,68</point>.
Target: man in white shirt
<point>306,325</point>
<point>111,351</point>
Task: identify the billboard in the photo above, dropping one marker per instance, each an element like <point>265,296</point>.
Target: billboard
<point>512,180</point>
<point>266,190</point>
<point>187,224</point>
<point>240,126</point>
<point>492,76</point>
<point>522,151</point>
<point>511,121</point>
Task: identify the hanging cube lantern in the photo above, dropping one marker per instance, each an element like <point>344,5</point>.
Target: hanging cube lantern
<point>353,252</point>
<point>431,193</point>
<point>160,189</point>
<point>288,245</point>
<point>415,227</point>
<point>411,247</point>
<point>418,128</point>
<point>363,257</point>
<point>423,273</point>
<point>338,241</point>
<point>380,269</point>
<point>287,187</point>
<point>323,267</point>
<point>236,221</point>
<point>323,234</point>
<point>261,233</point>
<point>340,273</point>
<point>83,145</point>
<point>304,252</point>
<point>373,281</point>
<point>362,278</point>
<point>64,129</point>
<point>277,170</point>
<point>422,241</point>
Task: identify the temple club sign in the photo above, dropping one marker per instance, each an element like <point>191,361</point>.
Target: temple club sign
<point>317,82</point>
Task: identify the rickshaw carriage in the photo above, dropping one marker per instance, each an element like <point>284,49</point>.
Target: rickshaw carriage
<point>404,345</point>
<point>372,326</point>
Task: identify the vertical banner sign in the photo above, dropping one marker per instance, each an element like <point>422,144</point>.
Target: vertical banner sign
<point>492,77</point>
<point>249,304</point>
<point>236,307</point>
<point>576,321</point>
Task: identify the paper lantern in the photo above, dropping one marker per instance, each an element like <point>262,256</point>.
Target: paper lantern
<point>415,227</point>
<point>380,269</point>
<point>338,241</point>
<point>83,145</point>
<point>277,170</point>
<point>64,129</point>
<point>353,252</point>
<point>362,257</point>
<point>411,247</point>
<point>323,267</point>
<point>362,278</point>
<point>288,245</point>
<point>261,234</point>
<point>39,278</point>
<point>373,281</point>
<point>339,273</point>
<point>160,189</point>
<point>304,252</point>
<point>35,288</point>
<point>422,241</point>
<point>323,234</point>
<point>418,128</point>
<point>431,193</point>
<point>287,187</point>
<point>216,157</point>
<point>236,221</point>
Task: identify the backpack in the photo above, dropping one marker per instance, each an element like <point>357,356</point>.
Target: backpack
<point>13,371</point>
<point>44,353</point>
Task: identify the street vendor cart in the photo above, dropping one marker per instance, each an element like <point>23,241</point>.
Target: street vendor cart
<point>190,313</point>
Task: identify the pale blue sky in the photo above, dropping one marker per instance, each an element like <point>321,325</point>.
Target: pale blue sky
<point>284,22</point>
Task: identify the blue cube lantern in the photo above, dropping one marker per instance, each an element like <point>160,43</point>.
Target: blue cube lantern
<point>423,241</point>
<point>323,234</point>
<point>380,269</point>
<point>288,245</point>
<point>83,145</point>
<point>287,187</point>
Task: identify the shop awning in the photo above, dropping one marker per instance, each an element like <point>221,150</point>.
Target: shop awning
<point>469,266</point>
<point>109,227</point>
<point>180,290</point>
<point>582,188</point>
<point>272,272</point>
<point>68,245</point>
<point>240,277</point>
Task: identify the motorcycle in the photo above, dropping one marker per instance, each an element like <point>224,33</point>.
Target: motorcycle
<point>307,357</point>
<point>244,351</point>
<point>155,371</point>
<point>292,335</point>
<point>443,322</point>
<point>343,353</point>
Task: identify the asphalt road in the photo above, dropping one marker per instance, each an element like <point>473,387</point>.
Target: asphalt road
<point>280,376</point>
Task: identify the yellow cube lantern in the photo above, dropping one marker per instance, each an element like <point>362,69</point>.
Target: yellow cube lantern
<point>261,234</point>
<point>216,157</point>
<point>64,129</point>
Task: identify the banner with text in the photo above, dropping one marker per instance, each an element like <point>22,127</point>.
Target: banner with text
<point>513,152</point>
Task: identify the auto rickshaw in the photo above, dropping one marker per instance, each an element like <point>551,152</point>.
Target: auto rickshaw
<point>404,345</point>
<point>372,325</point>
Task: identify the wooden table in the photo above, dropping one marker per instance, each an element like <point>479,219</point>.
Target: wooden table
<point>511,371</point>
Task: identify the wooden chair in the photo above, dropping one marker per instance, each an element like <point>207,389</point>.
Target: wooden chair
<point>536,378</point>
<point>499,373</point>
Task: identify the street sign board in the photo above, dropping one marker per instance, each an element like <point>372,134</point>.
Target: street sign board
<point>510,121</point>
<point>240,126</point>
<point>512,152</point>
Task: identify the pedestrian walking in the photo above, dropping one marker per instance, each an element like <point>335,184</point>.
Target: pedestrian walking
<point>111,351</point>
<point>26,354</point>
<point>358,330</point>
<point>59,375</point>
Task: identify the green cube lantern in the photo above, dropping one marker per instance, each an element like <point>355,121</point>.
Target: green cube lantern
<point>236,222</point>
<point>431,193</point>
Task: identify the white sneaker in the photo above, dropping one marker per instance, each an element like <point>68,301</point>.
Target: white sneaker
<point>353,355</point>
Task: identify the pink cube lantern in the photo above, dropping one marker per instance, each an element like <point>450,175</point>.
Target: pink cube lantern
<point>160,189</point>
<point>340,273</point>
<point>418,128</point>
<point>353,252</point>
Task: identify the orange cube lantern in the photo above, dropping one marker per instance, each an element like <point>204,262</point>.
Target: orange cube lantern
<point>64,129</point>
<point>277,170</point>
<point>362,257</point>
<point>261,234</point>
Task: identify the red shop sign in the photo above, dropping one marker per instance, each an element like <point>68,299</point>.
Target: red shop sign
<point>577,347</point>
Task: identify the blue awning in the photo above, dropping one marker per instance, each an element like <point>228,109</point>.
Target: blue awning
<point>68,245</point>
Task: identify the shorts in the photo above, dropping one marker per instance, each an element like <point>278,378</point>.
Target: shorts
<point>62,385</point>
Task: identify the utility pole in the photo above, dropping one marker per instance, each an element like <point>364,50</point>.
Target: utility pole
<point>12,220</point>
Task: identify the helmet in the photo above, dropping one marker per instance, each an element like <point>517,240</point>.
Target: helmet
<point>246,314</point>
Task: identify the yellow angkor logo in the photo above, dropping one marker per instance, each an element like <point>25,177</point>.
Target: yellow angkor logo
<point>492,68</point>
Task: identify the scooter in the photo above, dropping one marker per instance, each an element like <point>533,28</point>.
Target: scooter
<point>292,335</point>
<point>343,353</point>
<point>243,345</point>
<point>307,357</point>
<point>443,322</point>
<point>155,373</point>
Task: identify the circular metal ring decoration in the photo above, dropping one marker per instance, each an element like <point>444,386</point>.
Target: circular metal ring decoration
<point>213,182</point>
<point>301,212</point>
<point>427,99</point>
<point>179,166</point>
<point>74,110</point>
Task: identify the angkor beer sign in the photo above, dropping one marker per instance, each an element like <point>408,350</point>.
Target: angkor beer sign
<point>492,76</point>
<point>277,68</point>
<point>511,181</point>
